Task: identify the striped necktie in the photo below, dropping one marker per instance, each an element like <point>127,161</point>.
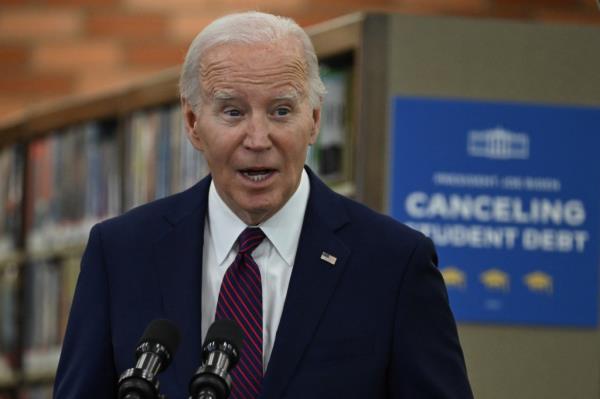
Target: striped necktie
<point>240,299</point>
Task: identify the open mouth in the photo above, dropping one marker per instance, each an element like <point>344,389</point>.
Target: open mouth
<point>257,175</point>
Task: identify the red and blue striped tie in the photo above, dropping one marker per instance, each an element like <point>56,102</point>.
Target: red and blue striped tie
<point>240,299</point>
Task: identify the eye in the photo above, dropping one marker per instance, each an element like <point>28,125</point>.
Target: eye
<point>282,111</point>
<point>233,112</point>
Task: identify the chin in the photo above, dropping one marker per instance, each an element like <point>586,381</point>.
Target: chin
<point>260,211</point>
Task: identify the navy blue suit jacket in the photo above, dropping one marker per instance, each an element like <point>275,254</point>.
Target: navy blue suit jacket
<point>374,325</point>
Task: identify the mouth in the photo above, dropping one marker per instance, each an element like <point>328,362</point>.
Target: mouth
<point>257,175</point>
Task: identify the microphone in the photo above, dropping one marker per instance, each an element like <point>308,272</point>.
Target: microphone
<point>220,353</point>
<point>153,353</point>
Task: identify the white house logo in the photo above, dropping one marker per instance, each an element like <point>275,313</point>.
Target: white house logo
<point>498,143</point>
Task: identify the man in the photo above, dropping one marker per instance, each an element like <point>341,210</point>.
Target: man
<point>335,300</point>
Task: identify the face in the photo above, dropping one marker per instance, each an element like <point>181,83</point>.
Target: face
<point>254,125</point>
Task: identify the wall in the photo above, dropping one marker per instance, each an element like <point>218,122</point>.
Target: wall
<point>54,48</point>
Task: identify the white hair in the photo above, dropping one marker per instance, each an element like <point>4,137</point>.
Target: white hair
<point>249,28</point>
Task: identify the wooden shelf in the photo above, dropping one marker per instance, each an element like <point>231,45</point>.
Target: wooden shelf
<point>337,36</point>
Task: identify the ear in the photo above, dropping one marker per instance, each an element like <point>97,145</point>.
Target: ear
<point>316,125</point>
<point>191,125</point>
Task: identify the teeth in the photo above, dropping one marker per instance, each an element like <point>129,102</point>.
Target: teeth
<point>256,176</point>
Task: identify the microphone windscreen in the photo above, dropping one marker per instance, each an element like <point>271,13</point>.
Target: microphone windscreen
<point>164,332</point>
<point>225,330</point>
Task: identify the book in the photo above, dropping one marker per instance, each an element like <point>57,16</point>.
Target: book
<point>11,197</point>
<point>9,308</point>
<point>42,308</point>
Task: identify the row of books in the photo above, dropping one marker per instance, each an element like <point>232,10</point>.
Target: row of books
<point>11,197</point>
<point>50,286</point>
<point>74,179</point>
<point>159,160</point>
<point>9,307</point>
<point>329,156</point>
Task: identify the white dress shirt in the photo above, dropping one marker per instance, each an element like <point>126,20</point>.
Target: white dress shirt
<point>274,256</point>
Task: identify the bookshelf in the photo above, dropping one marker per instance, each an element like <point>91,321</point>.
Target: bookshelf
<point>67,165</point>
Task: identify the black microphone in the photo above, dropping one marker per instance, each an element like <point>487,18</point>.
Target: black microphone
<point>154,352</point>
<point>220,353</point>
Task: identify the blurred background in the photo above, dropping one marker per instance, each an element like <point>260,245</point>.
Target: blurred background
<point>53,48</point>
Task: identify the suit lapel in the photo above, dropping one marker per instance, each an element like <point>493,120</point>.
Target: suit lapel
<point>178,262</point>
<point>312,284</point>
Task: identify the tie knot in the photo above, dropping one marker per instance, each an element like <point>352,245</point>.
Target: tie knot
<point>250,239</point>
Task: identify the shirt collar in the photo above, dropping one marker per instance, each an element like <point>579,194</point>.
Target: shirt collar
<point>282,229</point>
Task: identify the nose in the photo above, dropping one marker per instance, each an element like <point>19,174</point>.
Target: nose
<point>257,137</point>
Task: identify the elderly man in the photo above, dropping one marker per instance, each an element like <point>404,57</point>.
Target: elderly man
<point>335,300</point>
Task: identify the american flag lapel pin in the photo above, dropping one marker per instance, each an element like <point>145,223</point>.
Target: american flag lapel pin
<point>327,257</point>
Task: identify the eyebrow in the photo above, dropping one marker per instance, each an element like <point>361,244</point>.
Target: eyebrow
<point>291,96</point>
<point>226,95</point>
<point>223,95</point>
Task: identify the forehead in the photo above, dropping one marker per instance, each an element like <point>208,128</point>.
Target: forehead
<point>266,66</point>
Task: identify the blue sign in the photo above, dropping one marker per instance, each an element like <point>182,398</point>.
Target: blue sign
<point>510,194</point>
